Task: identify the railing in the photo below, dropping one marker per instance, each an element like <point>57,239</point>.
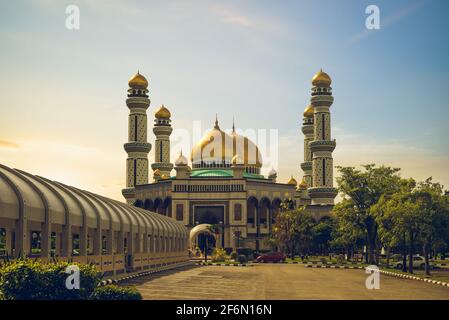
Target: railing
<point>117,262</point>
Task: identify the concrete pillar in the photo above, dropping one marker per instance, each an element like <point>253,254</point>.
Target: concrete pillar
<point>8,242</point>
<point>120,242</point>
<point>45,240</point>
<point>97,242</point>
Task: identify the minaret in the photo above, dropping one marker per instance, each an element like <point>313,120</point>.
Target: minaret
<point>137,146</point>
<point>306,166</point>
<point>162,129</point>
<point>322,191</point>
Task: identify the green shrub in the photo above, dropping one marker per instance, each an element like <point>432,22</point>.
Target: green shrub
<point>242,259</point>
<point>219,255</point>
<point>234,255</point>
<point>113,292</point>
<point>26,279</point>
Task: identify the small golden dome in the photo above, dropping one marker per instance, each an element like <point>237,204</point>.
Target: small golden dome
<point>157,173</point>
<point>308,112</point>
<point>321,79</point>
<point>164,176</point>
<point>302,185</point>
<point>162,112</point>
<point>138,81</point>
<point>292,181</point>
<point>181,161</point>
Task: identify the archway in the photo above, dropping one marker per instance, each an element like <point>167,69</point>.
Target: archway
<point>202,236</point>
<point>167,207</point>
<point>158,206</point>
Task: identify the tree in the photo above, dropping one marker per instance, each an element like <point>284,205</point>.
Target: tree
<point>401,220</point>
<point>292,228</point>
<point>434,209</point>
<point>322,235</point>
<point>363,189</point>
<point>412,217</point>
<point>348,228</point>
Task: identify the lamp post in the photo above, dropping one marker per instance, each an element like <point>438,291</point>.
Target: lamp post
<point>206,248</point>
<point>222,227</point>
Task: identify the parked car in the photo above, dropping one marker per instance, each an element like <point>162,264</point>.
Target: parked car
<point>418,263</point>
<point>271,257</point>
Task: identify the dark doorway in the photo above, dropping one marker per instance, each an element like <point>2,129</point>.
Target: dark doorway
<point>209,214</point>
<point>202,238</point>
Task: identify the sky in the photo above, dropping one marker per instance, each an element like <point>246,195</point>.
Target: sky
<point>62,103</point>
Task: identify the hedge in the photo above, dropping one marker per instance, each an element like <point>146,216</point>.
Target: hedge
<point>114,292</point>
<point>27,279</point>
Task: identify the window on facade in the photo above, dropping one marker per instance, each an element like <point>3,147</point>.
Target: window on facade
<point>35,242</point>
<point>179,212</point>
<point>2,242</point>
<point>237,212</point>
<point>76,245</point>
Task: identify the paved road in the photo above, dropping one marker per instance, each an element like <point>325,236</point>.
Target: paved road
<point>278,281</point>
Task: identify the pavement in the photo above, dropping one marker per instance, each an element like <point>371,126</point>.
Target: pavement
<point>278,282</point>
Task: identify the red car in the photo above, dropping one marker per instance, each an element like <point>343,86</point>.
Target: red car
<point>271,257</point>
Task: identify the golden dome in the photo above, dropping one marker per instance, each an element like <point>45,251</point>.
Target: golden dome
<point>162,112</point>
<point>181,161</point>
<point>302,185</point>
<point>138,81</point>
<point>308,112</point>
<point>321,79</point>
<point>164,176</point>
<point>157,173</point>
<point>219,147</point>
<point>292,181</point>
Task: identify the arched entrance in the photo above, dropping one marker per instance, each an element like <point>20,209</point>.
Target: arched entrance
<point>203,237</point>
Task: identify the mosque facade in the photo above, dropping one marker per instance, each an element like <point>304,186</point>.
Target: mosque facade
<point>221,184</point>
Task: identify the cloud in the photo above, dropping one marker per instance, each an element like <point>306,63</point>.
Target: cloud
<point>389,20</point>
<point>232,16</point>
<point>8,144</point>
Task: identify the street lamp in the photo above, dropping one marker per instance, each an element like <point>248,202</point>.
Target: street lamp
<point>222,233</point>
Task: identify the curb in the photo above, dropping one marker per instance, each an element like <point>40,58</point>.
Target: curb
<point>324,266</point>
<point>140,274</point>
<point>333,263</point>
<point>222,264</point>
<point>411,277</point>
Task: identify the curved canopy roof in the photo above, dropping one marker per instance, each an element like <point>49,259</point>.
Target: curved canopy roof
<point>23,195</point>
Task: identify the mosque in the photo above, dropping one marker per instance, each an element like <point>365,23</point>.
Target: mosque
<point>222,184</point>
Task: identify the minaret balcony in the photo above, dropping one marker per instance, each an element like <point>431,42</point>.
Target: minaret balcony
<point>162,166</point>
<point>322,145</point>
<point>138,102</point>
<point>307,129</point>
<point>162,130</point>
<point>322,192</point>
<point>306,166</point>
<point>321,100</point>
<point>137,147</point>
<point>129,193</point>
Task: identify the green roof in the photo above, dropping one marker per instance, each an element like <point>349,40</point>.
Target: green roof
<point>223,173</point>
